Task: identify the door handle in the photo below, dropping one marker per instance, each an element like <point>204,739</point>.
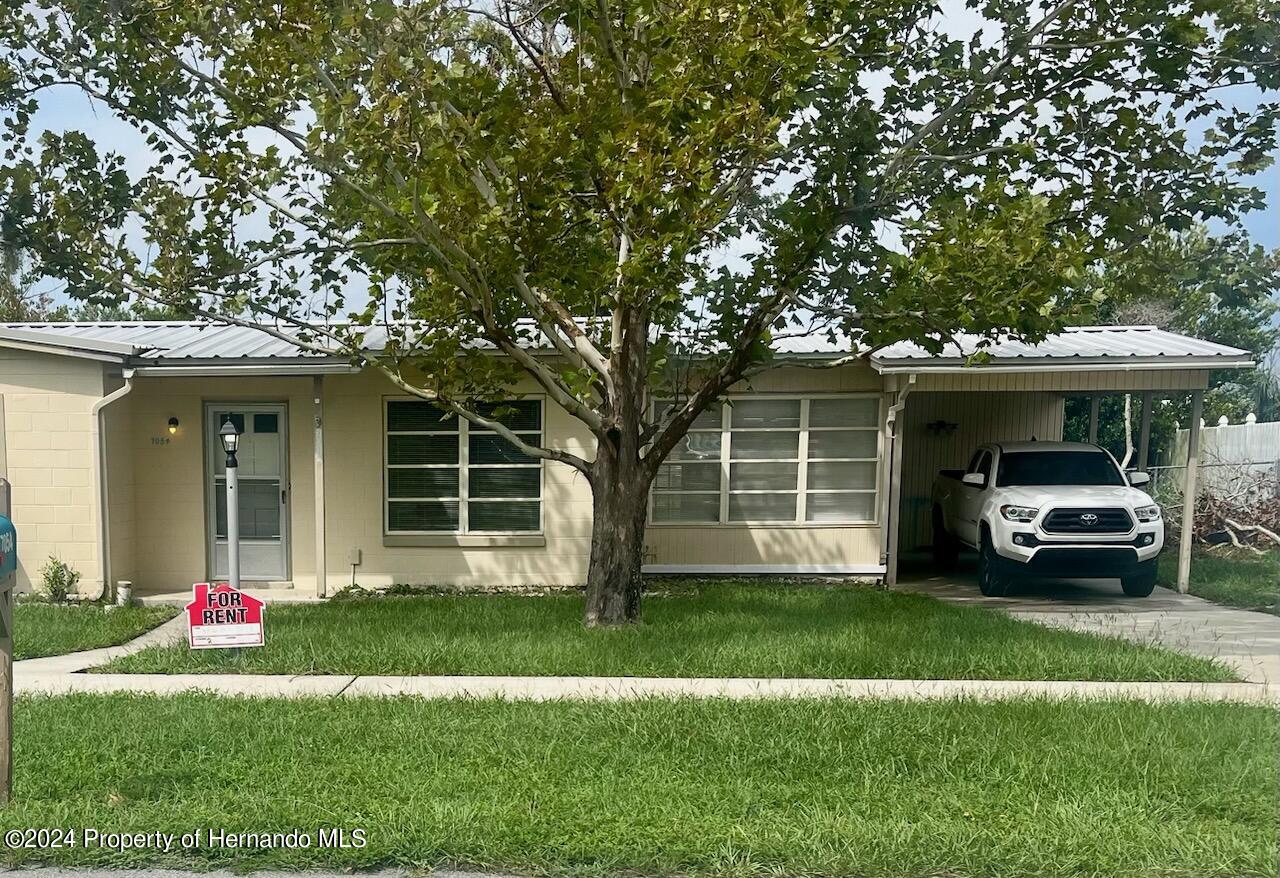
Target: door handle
<point>282,497</point>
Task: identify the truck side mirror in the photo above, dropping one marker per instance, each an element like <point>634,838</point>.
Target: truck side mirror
<point>977,480</point>
<point>1138,479</point>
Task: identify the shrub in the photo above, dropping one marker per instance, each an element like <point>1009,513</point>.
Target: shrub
<point>58,579</point>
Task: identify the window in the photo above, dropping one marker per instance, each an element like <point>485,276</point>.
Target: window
<point>1033,468</point>
<point>447,475</point>
<point>774,459</point>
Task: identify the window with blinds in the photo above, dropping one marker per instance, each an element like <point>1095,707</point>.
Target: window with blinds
<point>447,475</point>
<point>785,460</point>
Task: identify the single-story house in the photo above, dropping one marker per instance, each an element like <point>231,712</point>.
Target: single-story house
<point>108,436</point>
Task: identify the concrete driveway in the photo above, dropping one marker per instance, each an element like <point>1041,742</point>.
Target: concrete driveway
<point>1246,641</point>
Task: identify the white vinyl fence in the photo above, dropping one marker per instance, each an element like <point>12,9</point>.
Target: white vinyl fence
<point>1228,451</point>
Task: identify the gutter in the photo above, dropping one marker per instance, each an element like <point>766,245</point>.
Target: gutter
<point>100,478</point>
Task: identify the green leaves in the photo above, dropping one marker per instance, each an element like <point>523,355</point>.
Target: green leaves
<point>518,174</point>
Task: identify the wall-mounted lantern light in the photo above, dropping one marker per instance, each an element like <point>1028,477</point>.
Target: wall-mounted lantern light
<point>173,426</point>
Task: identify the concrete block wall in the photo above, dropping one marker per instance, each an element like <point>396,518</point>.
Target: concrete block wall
<point>48,455</point>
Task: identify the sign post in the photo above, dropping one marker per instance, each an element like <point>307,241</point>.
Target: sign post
<point>221,617</point>
<point>8,573</point>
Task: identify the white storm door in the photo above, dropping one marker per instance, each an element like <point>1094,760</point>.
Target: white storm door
<point>264,490</point>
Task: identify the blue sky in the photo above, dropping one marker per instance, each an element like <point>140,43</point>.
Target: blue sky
<point>66,108</point>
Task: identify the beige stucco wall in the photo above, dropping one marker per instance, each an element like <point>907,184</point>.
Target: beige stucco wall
<point>48,456</point>
<point>354,458</point>
<point>169,475</point>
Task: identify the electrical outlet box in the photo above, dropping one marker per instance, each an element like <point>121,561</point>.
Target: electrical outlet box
<point>353,556</point>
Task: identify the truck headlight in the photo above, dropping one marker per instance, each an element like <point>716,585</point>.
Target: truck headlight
<point>1018,513</point>
<point>1148,513</point>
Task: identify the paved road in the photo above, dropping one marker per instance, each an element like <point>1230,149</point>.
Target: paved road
<point>1246,641</point>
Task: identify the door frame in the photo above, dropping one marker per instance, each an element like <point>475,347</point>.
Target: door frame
<point>212,447</point>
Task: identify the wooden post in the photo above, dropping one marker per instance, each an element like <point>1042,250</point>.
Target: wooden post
<point>6,691</point>
<point>1189,492</point>
<point>317,393</point>
<point>1144,432</point>
<point>1095,403</point>
<point>7,582</point>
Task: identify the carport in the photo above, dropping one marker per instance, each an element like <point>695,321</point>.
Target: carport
<point>944,405</point>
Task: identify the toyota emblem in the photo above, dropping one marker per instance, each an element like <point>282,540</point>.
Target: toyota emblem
<point>1089,519</point>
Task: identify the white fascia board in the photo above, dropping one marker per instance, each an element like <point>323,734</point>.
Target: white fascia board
<point>772,569</point>
<point>256,370</point>
<point>1056,365</point>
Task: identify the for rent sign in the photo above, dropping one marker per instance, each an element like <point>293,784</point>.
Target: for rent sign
<point>8,547</point>
<point>221,616</point>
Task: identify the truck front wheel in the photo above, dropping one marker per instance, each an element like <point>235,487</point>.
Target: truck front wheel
<point>992,580</point>
<point>1141,583</point>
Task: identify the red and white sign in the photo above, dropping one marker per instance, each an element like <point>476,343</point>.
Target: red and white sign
<point>222,617</point>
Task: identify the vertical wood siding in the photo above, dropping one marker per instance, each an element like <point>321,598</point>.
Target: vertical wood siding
<point>979,418</point>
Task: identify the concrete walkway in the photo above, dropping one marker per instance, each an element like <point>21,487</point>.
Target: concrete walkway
<point>1247,642</point>
<point>630,688</point>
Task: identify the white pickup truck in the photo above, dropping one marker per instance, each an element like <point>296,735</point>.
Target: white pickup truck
<point>1057,509</point>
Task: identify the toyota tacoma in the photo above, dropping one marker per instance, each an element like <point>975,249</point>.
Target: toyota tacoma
<point>1053,509</point>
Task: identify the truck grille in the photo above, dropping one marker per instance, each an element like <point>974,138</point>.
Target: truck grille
<point>1088,521</point>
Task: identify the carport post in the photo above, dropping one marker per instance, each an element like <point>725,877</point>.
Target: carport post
<point>1095,403</point>
<point>1189,492</point>
<point>1144,432</point>
<point>317,405</point>
<point>895,429</point>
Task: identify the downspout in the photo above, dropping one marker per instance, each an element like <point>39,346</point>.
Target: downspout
<point>893,487</point>
<point>100,478</point>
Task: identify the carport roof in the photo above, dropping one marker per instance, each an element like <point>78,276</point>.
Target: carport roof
<point>190,346</point>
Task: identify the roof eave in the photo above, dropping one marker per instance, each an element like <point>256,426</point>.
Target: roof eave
<point>89,349</point>
<point>1087,364</point>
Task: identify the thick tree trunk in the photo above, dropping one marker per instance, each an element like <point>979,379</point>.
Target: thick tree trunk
<point>620,504</point>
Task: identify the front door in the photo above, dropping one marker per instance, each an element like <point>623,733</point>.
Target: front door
<point>264,490</point>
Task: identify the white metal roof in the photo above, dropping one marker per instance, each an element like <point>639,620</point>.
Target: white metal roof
<point>187,345</point>
<point>1113,346</point>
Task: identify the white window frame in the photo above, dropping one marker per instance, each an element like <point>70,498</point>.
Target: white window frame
<point>802,489</point>
<point>463,466</point>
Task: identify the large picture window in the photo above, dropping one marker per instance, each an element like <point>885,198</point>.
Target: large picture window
<point>774,460</point>
<point>447,475</point>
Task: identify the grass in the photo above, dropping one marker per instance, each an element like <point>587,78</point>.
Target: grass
<point>1247,581</point>
<point>697,788</point>
<point>698,630</point>
<point>56,629</point>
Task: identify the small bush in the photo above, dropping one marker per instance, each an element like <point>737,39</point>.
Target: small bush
<point>58,579</point>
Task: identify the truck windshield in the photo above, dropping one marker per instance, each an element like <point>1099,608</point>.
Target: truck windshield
<point>1056,468</point>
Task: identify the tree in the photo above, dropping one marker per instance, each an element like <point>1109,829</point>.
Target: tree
<point>19,303</point>
<point>629,200</point>
<point>1219,288</point>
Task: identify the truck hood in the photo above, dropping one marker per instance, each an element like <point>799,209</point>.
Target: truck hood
<point>1042,496</point>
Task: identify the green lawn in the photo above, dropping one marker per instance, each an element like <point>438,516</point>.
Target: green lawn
<point>56,629</point>
<point>710,788</point>
<point>699,630</point>
<point>1247,581</point>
